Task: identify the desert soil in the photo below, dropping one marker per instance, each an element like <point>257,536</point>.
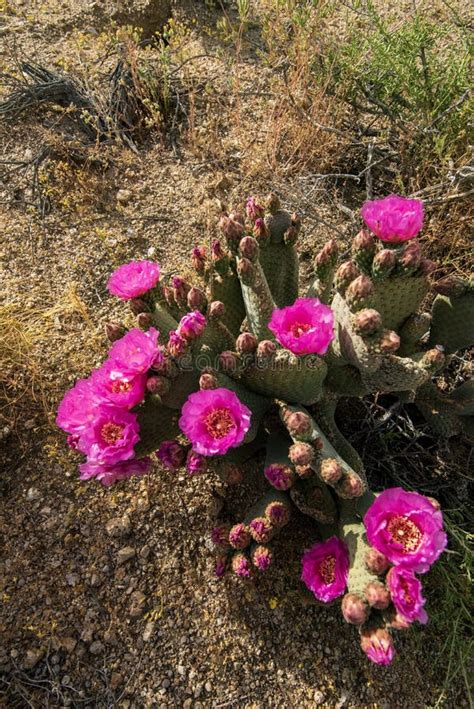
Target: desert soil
<point>108,596</point>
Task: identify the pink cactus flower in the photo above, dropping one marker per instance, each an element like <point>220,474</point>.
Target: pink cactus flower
<point>214,420</point>
<point>195,463</point>
<point>378,645</point>
<point>171,454</point>
<point>177,345</point>
<point>394,218</point>
<point>109,474</point>
<point>325,569</point>
<point>120,390</point>
<point>407,598</point>
<point>192,325</point>
<point>111,437</point>
<point>134,353</point>
<point>306,327</point>
<point>73,441</point>
<point>134,279</point>
<point>77,408</point>
<point>407,528</point>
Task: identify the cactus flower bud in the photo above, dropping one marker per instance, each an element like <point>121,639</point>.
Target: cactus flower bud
<point>261,556</point>
<point>409,259</point>
<point>266,349</point>
<point>197,299</point>
<point>248,248</point>
<point>137,306</point>
<point>433,359</point>
<point>198,258</point>
<point>158,385</point>
<point>354,609</point>
<point>220,536</point>
<point>363,250</point>
<point>177,345</point>
<point>260,231</point>
<point>326,259</point>
<point>261,529</point>
<point>396,620</point>
<point>168,296</point>
<point>453,285</point>
<point>180,290</point>
<point>298,424</point>
<point>239,536</point>
<point>246,271</point>
<point>272,203</point>
<point>290,237</point>
<point>192,325</point>
<point>216,310</point>
<point>280,476</point>
<point>367,321</point>
<point>171,454</point>
<point>377,644</point>
<point>253,209</point>
<point>208,381</point>
<point>377,595</point>
<point>246,343</point>
<point>427,266</point>
<point>383,264</point>
<point>241,566</point>
<point>359,292</point>
<point>350,485</point>
<point>220,566</point>
<point>331,471</point>
<point>375,561</point>
<point>144,321</point>
<point>345,274</point>
<point>278,513</point>
<point>229,361</point>
<point>217,252</point>
<point>232,228</point>
<point>302,454</point>
<point>114,331</point>
<point>389,342</point>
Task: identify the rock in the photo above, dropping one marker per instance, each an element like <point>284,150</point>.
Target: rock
<point>118,527</point>
<point>96,648</point>
<point>32,658</point>
<point>145,551</point>
<point>68,643</point>
<point>187,703</point>
<point>318,697</point>
<point>95,580</point>
<point>137,605</point>
<point>148,632</point>
<point>72,579</point>
<point>181,670</point>
<point>125,554</point>
<point>165,684</point>
<point>115,681</point>
<point>124,196</point>
<point>66,680</point>
<point>33,494</point>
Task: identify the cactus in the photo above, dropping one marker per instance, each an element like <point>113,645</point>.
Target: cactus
<point>240,363</point>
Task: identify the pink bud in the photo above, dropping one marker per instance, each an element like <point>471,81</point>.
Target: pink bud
<point>262,557</point>
<point>196,299</point>
<point>328,254</point>
<point>345,274</point>
<point>298,424</point>
<point>377,595</point>
<point>229,361</point>
<point>411,256</point>
<point>246,271</point>
<point>364,241</point>
<point>241,566</point>
<point>453,285</point>
<point>158,385</point>
<point>377,644</point>
<point>278,513</point>
<point>145,321</point>
<point>427,266</point>
<point>350,485</point>
<point>375,561</point>
<point>198,258</point>
<point>220,566</point>
<point>248,248</point>
<point>220,536</point>
<point>260,230</point>
<point>208,381</point>
<point>171,454</point>
<point>254,211</point>
<point>195,463</point>
<point>367,321</point>
<point>114,331</point>
<point>239,536</point>
<point>217,252</point>
<point>302,454</point>
<point>354,609</point>
<point>389,342</point>
<point>231,228</point>
<point>361,288</point>
<point>261,529</point>
<point>246,343</point>
<point>180,290</point>
<point>216,310</point>
<point>272,203</point>
<point>137,306</point>
<point>434,359</point>
<point>331,471</point>
<point>266,349</point>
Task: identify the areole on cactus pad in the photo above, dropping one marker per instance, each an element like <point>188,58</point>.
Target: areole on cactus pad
<point>246,361</point>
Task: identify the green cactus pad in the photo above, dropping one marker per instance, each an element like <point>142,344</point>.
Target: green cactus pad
<point>181,387</point>
<point>157,423</point>
<point>396,374</point>
<point>398,298</point>
<point>312,497</point>
<point>227,289</point>
<point>259,304</point>
<point>352,532</point>
<point>281,267</point>
<point>452,324</point>
<point>288,377</point>
<point>163,321</point>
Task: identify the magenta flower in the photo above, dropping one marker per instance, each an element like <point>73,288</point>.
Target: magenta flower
<point>111,386</point>
<point>407,528</point>
<point>407,598</point>
<point>111,437</point>
<point>394,218</point>
<point>109,474</point>
<point>177,345</point>
<point>195,463</point>
<point>171,454</point>
<point>378,645</point>
<point>214,420</point>
<point>134,279</point>
<point>192,325</point>
<point>76,410</point>
<point>306,327</point>
<point>325,569</point>
<point>134,353</point>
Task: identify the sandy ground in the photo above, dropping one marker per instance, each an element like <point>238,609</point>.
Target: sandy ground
<point>128,613</point>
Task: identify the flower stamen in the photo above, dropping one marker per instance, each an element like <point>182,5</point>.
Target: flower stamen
<point>327,569</point>
<point>111,433</point>
<point>405,532</point>
<point>299,328</point>
<point>219,423</point>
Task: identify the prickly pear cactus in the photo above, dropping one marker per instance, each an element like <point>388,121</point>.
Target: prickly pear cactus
<point>245,361</point>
